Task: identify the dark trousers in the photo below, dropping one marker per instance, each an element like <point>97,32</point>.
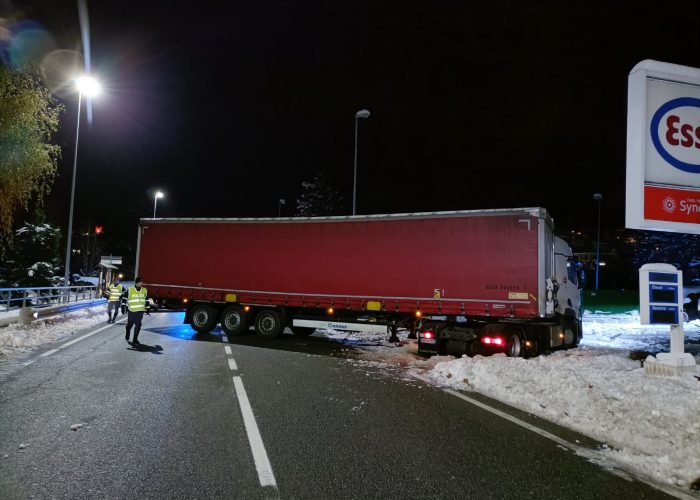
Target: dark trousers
<point>112,306</point>
<point>134,319</point>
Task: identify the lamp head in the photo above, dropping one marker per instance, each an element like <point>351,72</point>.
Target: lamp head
<point>159,194</point>
<point>88,86</point>
<point>363,113</point>
<point>597,196</point>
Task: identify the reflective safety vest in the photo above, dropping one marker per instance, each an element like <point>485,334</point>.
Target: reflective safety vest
<point>115,291</point>
<point>137,299</point>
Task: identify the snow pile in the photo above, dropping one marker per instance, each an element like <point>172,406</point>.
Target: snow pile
<point>649,425</point>
<point>17,339</point>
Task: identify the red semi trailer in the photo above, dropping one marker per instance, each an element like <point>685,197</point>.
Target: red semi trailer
<point>468,281</point>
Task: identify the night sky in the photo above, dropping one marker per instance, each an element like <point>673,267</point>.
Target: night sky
<point>229,106</point>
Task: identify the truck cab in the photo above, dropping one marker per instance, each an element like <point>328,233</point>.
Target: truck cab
<point>568,280</point>
<point>567,284</point>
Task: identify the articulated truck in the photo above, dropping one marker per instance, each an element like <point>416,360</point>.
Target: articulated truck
<point>464,282</point>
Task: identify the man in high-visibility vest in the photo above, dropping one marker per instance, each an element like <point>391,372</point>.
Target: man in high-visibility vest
<point>113,293</point>
<point>136,303</point>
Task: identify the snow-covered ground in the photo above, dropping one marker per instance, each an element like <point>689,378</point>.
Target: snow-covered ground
<point>649,425</point>
<point>18,339</point>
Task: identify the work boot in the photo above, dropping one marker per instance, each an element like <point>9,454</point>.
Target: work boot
<point>127,336</point>
<point>136,342</point>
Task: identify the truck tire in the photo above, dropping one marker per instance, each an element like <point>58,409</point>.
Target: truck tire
<point>302,331</point>
<point>202,318</point>
<point>234,320</point>
<point>571,333</point>
<point>268,323</point>
<point>515,347</point>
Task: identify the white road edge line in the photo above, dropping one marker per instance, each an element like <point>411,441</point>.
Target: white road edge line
<point>82,337</point>
<point>262,463</point>
<point>579,450</point>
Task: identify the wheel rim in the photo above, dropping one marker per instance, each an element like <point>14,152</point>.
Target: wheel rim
<point>233,320</point>
<point>200,318</point>
<point>514,346</point>
<point>267,323</point>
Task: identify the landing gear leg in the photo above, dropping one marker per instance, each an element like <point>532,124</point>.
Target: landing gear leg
<point>394,337</point>
<point>412,331</point>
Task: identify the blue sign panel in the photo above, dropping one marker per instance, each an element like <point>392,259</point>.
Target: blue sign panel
<point>663,277</point>
<point>664,315</point>
<point>665,294</point>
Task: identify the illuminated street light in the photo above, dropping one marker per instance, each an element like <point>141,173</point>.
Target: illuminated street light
<point>88,86</point>
<point>363,113</point>
<point>599,198</point>
<point>159,194</point>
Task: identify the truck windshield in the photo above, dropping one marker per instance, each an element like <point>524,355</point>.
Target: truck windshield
<point>571,271</point>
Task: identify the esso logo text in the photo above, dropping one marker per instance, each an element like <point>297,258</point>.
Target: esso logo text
<point>675,132</point>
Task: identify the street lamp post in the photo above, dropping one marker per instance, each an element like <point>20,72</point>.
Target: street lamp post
<point>279,207</point>
<point>599,198</point>
<point>363,113</point>
<point>90,87</point>
<point>158,194</point>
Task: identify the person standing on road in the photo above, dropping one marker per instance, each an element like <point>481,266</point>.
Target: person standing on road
<point>136,303</point>
<point>691,308</point>
<point>113,294</point>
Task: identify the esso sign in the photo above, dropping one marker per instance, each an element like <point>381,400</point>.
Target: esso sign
<point>663,148</point>
<point>675,133</point>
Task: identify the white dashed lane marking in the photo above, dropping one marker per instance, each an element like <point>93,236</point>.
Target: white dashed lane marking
<point>262,462</point>
<point>232,365</point>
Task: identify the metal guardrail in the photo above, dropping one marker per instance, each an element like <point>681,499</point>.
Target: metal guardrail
<point>15,298</point>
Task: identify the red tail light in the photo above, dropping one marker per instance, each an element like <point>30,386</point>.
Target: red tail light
<point>428,335</point>
<point>492,340</point>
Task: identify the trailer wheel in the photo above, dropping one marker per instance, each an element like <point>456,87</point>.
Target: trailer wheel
<point>302,331</point>
<point>268,323</point>
<point>203,318</point>
<point>514,345</point>
<point>234,321</point>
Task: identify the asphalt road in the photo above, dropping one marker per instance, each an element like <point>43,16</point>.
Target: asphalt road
<point>166,421</point>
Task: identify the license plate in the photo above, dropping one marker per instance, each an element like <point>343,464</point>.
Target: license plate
<point>428,341</point>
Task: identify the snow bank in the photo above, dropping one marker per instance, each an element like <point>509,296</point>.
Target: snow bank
<point>17,339</point>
